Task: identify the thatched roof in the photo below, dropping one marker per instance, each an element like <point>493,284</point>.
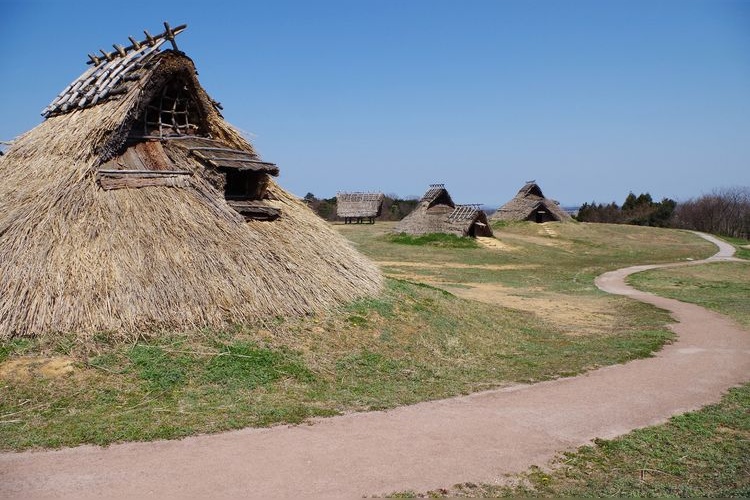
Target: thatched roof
<point>530,204</point>
<point>437,213</point>
<point>359,204</point>
<point>141,208</point>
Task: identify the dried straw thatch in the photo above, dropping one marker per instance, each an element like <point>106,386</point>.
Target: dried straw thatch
<point>359,206</point>
<point>437,213</point>
<point>90,242</point>
<point>530,204</point>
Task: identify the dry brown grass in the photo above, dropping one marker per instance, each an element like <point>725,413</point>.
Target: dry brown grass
<point>543,269</point>
<point>580,315</point>
<point>24,368</point>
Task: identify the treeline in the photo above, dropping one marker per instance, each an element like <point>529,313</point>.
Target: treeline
<point>638,210</point>
<point>394,208</point>
<point>724,211</point>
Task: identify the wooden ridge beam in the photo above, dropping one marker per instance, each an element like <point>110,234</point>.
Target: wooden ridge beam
<point>169,34</point>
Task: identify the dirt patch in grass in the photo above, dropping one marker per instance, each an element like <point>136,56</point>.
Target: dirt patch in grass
<point>571,315</point>
<point>579,315</point>
<point>25,368</point>
<point>496,244</point>
<point>548,229</point>
<point>546,240</point>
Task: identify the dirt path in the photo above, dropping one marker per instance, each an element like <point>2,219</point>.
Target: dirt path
<point>476,438</point>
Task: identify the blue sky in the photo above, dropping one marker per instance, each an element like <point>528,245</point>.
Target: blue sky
<point>593,99</point>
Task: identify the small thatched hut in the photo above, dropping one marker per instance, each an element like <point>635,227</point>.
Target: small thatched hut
<point>530,204</point>
<point>437,213</point>
<point>359,206</point>
<point>135,206</point>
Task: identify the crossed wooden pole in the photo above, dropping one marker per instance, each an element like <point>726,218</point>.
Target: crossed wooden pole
<point>120,51</point>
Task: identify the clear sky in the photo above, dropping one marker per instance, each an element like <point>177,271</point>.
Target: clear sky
<point>592,99</point>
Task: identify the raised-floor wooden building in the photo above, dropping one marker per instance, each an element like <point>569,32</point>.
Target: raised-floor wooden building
<point>357,206</point>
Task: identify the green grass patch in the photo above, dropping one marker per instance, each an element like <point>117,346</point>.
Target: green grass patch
<point>14,346</point>
<point>742,246</point>
<point>159,370</point>
<point>721,286</point>
<point>248,366</point>
<point>439,240</point>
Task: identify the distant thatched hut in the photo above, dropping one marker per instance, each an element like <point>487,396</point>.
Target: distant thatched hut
<point>355,207</point>
<point>530,204</point>
<point>135,206</point>
<point>436,213</point>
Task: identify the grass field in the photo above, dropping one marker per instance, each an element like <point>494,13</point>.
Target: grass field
<point>721,286</point>
<point>421,339</point>
<point>547,270</point>
<point>742,246</point>
<point>699,454</point>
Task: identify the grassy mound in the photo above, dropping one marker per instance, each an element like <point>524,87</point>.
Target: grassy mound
<point>439,240</point>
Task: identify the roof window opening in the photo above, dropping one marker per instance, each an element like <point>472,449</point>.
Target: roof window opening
<point>246,192</point>
<point>245,178</point>
<point>173,113</point>
<point>245,185</point>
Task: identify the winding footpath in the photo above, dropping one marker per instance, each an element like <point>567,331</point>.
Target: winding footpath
<point>477,438</point>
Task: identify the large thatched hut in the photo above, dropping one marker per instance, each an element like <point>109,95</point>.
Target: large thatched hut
<point>437,213</point>
<point>355,207</point>
<point>530,204</point>
<point>135,206</point>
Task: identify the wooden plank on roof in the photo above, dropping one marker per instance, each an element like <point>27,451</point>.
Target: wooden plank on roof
<point>133,160</point>
<point>255,209</point>
<point>123,179</point>
<point>244,160</point>
<point>152,173</point>
<point>267,168</point>
<point>225,150</point>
